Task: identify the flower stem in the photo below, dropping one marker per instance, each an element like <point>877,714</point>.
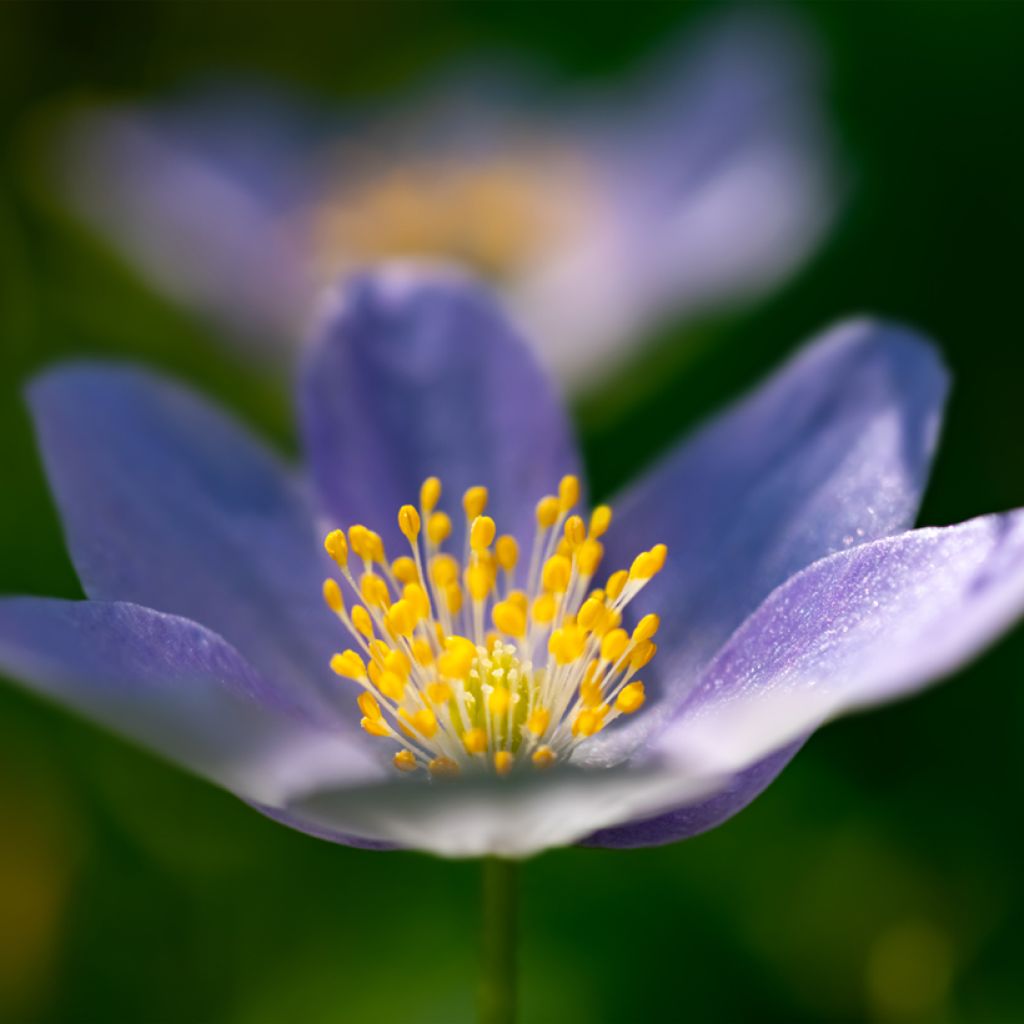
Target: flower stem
<point>498,946</point>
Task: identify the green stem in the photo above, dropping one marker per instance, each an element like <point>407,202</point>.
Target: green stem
<point>498,945</point>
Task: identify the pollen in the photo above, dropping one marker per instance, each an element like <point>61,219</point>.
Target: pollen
<point>494,664</point>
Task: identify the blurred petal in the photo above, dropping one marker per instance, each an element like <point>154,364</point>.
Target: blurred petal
<point>175,687</point>
<point>859,628</point>
<point>718,180</point>
<point>167,502</point>
<point>193,193</point>
<point>833,451</point>
<point>416,373</point>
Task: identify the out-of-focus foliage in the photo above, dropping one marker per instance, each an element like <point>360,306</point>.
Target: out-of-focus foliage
<point>878,879</point>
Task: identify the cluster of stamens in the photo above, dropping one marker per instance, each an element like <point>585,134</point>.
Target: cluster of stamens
<point>464,668</point>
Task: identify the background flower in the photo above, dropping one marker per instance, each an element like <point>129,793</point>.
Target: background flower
<point>705,178</point>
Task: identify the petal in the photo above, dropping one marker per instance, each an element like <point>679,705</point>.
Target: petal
<point>416,373</point>
<point>717,178</point>
<point>168,503</point>
<point>856,629</point>
<point>833,451</point>
<point>173,686</point>
<point>192,192</point>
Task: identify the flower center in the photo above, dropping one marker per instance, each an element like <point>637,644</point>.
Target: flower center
<point>493,212</point>
<point>480,664</point>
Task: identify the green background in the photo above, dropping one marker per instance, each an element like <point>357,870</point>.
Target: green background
<point>879,879</point>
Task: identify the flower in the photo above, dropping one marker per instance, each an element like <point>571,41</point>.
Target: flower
<point>706,178</point>
<point>792,590</point>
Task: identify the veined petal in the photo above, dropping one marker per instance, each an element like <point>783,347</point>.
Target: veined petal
<point>856,629</point>
<point>173,686</point>
<point>416,373</point>
<point>718,179</point>
<point>832,452</point>
<point>168,503</point>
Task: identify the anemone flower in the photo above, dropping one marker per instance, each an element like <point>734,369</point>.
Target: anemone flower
<point>502,673</point>
<point>705,179</point>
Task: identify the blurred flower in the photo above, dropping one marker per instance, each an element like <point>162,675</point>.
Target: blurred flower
<point>790,594</point>
<point>707,178</point>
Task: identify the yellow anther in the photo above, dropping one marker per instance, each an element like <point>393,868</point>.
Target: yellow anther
<point>590,612</point>
<point>379,651</point>
<point>391,685</point>
<point>614,644</point>
<point>374,671</point>
<point>567,643</point>
<point>475,740</point>
<point>564,549</point>
<point>547,512</point>
<point>337,547</point>
<point>644,566</point>
<point>646,628</point>
<point>422,651</point>
<point>362,621</point>
<point>401,618</point>
<point>374,590</point>
<point>417,597</point>
<point>481,533</point>
<point>474,501</point>
<point>357,540</point>
<point>443,767</point>
<point>397,662</point>
<point>457,658</point>
<point>424,721</point>
<point>332,596</point>
<point>538,720</point>
<point>507,551</point>
<point>453,598</point>
<point>430,494</point>
<point>641,654</point>
<point>349,665</point>
<point>543,610</point>
<point>404,570</point>
<point>375,726</point>
<point>439,693</point>
<point>519,599</point>
<point>439,527</point>
<point>631,698</point>
<point>616,583</point>
<point>368,705</point>
<point>498,701</point>
<point>444,570</point>
<point>589,555</point>
<point>590,692</point>
<point>509,618</point>
<point>589,721</point>
<point>556,573</point>
<point>503,762</point>
<point>568,492</point>
<point>409,523</point>
<point>543,757</point>
<point>600,520</point>
<point>479,580</point>
<point>375,546</point>
<point>660,553</point>
<point>575,531</point>
<point>404,761</point>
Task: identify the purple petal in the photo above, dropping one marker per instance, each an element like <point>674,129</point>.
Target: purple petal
<point>718,181</point>
<point>193,193</point>
<point>857,629</point>
<point>417,373</point>
<point>168,503</point>
<point>833,451</point>
<point>175,687</point>
<point>692,819</point>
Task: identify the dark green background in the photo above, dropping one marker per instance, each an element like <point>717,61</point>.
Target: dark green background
<point>879,879</point>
